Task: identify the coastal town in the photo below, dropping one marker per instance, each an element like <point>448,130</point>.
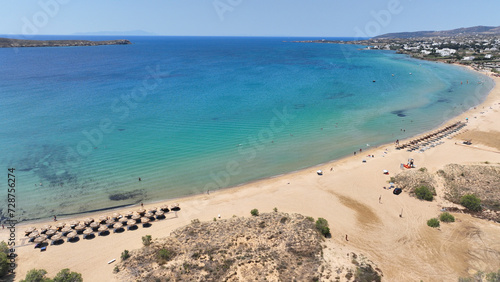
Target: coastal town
<point>479,50</point>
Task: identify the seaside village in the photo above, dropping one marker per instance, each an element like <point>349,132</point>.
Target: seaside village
<point>482,52</point>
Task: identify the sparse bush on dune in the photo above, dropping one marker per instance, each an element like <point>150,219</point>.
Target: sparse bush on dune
<point>433,222</point>
<point>125,255</point>
<point>146,240</point>
<point>446,217</point>
<point>424,193</point>
<point>322,226</point>
<point>254,212</point>
<point>471,202</point>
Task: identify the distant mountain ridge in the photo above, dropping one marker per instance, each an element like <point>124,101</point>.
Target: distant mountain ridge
<point>120,33</point>
<point>464,31</point>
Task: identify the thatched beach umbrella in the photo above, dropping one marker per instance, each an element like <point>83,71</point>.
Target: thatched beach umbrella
<point>102,228</point>
<point>160,214</point>
<point>56,237</point>
<point>34,234</point>
<point>152,210</point>
<point>145,220</point>
<point>102,219</point>
<point>141,211</point>
<point>175,207</point>
<point>128,214</point>
<point>164,208</point>
<point>73,223</point>
<point>60,225</point>
<point>117,226</point>
<point>123,220</point>
<point>40,239</point>
<point>66,229</point>
<point>44,228</point>
<point>72,235</point>
<point>79,228</point>
<point>29,230</point>
<point>149,215</point>
<point>115,215</point>
<point>88,221</point>
<point>87,232</point>
<point>50,232</point>
<point>94,225</point>
<point>136,216</point>
<point>131,223</point>
<point>110,222</point>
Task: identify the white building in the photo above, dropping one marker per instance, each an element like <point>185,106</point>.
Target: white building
<point>446,52</point>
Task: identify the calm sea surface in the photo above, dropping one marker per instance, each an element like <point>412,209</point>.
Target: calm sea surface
<point>81,125</point>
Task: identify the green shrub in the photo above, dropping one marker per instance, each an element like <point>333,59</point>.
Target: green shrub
<point>4,248</point>
<point>4,264</point>
<point>422,169</point>
<point>366,273</point>
<point>36,275</point>
<point>446,217</point>
<point>116,269</point>
<point>147,240</point>
<point>125,255</point>
<point>322,226</point>
<point>195,221</point>
<point>423,193</point>
<point>310,218</point>
<point>254,212</point>
<point>165,254</point>
<point>433,222</point>
<point>275,209</point>
<point>471,202</point>
<point>66,276</point>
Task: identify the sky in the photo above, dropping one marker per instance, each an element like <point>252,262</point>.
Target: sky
<point>323,18</point>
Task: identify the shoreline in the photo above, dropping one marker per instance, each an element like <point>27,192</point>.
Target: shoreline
<point>351,190</point>
<point>256,181</point>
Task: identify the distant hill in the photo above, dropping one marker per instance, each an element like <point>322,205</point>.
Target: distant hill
<point>15,43</point>
<point>130,32</point>
<point>481,30</point>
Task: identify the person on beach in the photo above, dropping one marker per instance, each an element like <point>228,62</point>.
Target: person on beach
<point>380,199</point>
<point>346,237</point>
<point>142,205</point>
<point>55,218</point>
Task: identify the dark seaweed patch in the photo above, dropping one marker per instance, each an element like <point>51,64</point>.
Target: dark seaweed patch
<point>339,95</point>
<point>121,129</point>
<point>299,106</point>
<point>443,100</point>
<point>125,195</point>
<point>399,113</point>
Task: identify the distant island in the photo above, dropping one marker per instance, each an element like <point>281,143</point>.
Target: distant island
<point>15,43</point>
<point>477,47</point>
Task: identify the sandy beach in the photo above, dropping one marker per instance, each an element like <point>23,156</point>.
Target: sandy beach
<point>347,195</point>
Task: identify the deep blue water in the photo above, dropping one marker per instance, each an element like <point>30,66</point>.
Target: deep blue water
<point>187,114</point>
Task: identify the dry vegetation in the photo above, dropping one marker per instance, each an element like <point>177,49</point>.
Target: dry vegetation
<point>409,180</point>
<point>482,180</point>
<point>269,247</point>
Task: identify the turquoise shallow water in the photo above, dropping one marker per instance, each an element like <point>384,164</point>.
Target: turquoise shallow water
<point>187,114</point>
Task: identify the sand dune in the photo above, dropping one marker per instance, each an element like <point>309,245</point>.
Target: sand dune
<point>404,248</point>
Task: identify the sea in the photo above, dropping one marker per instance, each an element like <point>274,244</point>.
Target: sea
<point>91,128</point>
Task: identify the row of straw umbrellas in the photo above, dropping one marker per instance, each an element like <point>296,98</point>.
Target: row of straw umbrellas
<point>436,135</point>
<point>70,230</point>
